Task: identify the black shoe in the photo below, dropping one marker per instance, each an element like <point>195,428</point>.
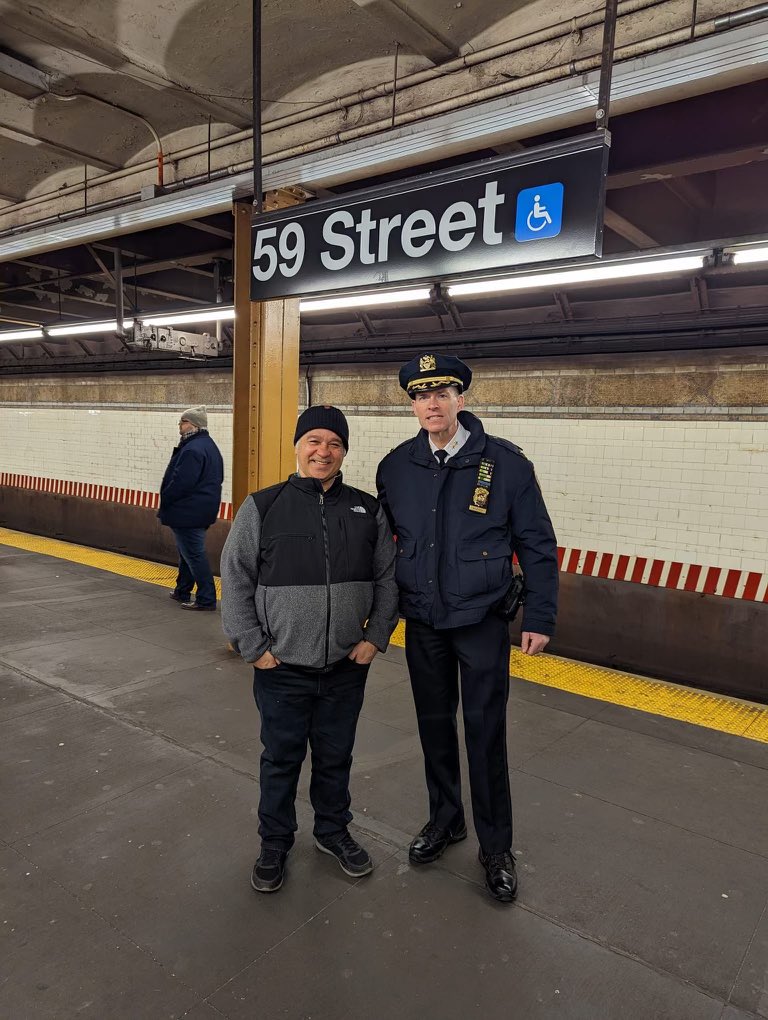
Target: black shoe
<point>196,605</point>
<point>432,841</point>
<point>500,875</point>
<point>178,598</point>
<point>352,858</point>
<point>269,870</point>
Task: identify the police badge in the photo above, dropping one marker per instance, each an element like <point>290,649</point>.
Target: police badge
<point>427,363</point>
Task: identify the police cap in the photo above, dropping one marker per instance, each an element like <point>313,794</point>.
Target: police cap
<point>433,372</point>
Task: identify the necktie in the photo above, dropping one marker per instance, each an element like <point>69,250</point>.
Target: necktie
<point>441,457</point>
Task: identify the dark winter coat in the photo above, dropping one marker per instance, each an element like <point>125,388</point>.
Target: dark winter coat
<point>190,494</point>
<point>452,563</point>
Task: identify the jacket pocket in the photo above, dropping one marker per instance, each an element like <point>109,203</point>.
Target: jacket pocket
<point>405,565</point>
<point>482,568</point>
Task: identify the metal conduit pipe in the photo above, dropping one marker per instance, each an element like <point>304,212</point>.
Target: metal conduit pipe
<point>745,17</point>
<point>559,31</point>
<point>121,109</point>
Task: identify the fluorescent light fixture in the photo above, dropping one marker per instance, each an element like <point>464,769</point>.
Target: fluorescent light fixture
<point>83,328</point>
<point>585,274</point>
<point>742,256</point>
<point>387,297</point>
<point>21,334</point>
<point>182,318</point>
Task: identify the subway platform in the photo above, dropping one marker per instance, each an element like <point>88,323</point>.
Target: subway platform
<point>130,758</point>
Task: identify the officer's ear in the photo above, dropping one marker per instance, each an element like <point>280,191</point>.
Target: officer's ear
<point>461,402</point>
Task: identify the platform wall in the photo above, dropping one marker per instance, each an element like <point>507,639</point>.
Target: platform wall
<point>655,471</point>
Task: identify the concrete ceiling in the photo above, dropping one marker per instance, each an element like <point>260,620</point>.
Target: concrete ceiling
<point>683,172</point>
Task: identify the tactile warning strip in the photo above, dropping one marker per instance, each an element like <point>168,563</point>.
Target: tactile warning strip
<point>113,563</point>
<point>716,712</point>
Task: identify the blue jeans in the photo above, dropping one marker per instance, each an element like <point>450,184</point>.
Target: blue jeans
<point>299,706</point>
<point>193,566</point>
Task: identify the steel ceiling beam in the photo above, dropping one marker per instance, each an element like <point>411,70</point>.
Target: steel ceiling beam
<point>624,228</point>
<point>701,164</point>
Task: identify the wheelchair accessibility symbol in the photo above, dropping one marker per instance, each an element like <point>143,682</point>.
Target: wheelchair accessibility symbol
<point>539,212</point>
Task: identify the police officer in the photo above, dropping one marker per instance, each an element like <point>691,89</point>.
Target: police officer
<point>460,503</point>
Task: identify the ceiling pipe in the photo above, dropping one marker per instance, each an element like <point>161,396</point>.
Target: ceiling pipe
<point>745,17</point>
<point>120,109</point>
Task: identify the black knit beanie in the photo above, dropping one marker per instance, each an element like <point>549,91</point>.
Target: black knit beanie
<point>323,417</point>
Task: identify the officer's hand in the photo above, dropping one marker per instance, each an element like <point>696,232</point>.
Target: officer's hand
<point>532,644</point>
<point>267,661</point>
<point>363,653</point>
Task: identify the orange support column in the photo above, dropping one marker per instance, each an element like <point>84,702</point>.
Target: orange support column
<point>265,377</point>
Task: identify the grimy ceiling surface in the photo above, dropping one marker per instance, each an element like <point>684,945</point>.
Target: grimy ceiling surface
<point>85,85</point>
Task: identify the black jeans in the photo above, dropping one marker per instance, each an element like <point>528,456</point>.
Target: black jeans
<point>434,657</point>
<point>299,706</point>
<point>193,566</point>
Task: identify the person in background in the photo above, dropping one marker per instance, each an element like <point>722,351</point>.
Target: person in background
<point>308,599</point>
<point>461,502</point>
<point>190,498</point>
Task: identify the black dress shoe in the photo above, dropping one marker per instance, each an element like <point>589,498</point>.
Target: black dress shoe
<point>269,870</point>
<point>431,842</point>
<point>198,607</point>
<point>500,875</point>
<point>178,598</point>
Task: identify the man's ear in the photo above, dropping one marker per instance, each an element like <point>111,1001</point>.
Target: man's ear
<point>461,401</point>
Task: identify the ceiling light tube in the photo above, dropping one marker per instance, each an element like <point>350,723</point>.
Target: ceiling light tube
<point>21,334</point>
<point>182,318</point>
<point>742,256</point>
<point>84,328</point>
<point>370,300</point>
<point>583,274</point>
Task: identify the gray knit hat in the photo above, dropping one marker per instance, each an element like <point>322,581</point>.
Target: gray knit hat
<point>196,416</point>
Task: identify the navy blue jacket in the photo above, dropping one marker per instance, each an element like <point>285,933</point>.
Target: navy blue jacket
<point>190,495</point>
<point>453,563</point>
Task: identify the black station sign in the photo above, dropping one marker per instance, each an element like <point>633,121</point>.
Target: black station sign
<point>541,205</point>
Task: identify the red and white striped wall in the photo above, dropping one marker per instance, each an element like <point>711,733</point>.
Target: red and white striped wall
<point>735,584</point>
<point>89,490</point>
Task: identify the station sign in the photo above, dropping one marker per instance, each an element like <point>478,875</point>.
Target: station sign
<point>540,205</point>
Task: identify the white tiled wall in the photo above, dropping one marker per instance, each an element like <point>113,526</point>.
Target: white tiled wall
<point>694,491</point>
<point>129,448</point>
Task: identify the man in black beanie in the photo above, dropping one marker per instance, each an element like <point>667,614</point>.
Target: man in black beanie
<point>309,598</point>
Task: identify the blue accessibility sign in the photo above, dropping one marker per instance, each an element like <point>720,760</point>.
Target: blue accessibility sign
<point>539,212</point>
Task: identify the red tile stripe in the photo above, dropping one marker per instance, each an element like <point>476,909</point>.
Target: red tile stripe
<point>729,583</point>
<point>90,490</point>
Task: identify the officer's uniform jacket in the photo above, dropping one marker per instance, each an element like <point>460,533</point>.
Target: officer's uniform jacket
<point>307,574</point>
<point>454,563</point>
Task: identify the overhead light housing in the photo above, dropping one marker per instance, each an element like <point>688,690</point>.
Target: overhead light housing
<point>21,334</point>
<point>369,300</point>
<point>745,256</point>
<point>600,272</point>
<point>223,314</point>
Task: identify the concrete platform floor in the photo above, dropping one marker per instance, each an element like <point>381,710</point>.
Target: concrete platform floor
<point>129,757</point>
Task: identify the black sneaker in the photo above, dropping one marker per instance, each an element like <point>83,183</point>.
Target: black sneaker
<point>352,858</point>
<point>269,870</point>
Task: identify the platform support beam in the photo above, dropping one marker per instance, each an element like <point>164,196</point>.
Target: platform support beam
<point>265,377</point>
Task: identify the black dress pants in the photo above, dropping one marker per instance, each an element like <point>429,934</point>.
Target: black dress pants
<point>481,653</point>
<point>300,706</point>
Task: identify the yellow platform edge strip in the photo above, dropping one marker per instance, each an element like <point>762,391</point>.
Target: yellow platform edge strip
<point>657,697</point>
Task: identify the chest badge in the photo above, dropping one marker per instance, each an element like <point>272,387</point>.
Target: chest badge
<point>482,491</point>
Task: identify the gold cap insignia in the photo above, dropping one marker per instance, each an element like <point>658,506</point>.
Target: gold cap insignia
<point>427,363</point>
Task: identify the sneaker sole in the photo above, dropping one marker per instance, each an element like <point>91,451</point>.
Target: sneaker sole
<point>344,868</point>
<point>273,888</point>
<point>431,860</point>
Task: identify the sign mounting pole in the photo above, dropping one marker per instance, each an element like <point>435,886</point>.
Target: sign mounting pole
<point>258,198</point>
<point>606,64</point>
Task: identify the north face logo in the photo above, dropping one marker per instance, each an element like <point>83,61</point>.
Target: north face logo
<point>358,510</point>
